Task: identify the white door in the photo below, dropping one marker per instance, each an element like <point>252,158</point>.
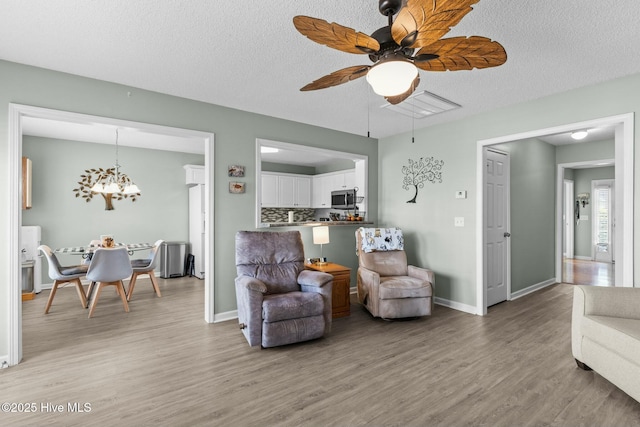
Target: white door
<point>496,231</point>
<point>568,214</point>
<point>603,223</point>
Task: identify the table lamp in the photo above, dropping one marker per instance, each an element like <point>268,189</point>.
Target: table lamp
<point>320,237</point>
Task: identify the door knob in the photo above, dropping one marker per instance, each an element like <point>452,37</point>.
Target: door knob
<point>506,234</point>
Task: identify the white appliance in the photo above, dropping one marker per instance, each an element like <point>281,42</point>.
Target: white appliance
<point>197,215</point>
<point>30,239</point>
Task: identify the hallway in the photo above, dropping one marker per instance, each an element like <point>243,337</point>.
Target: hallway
<point>581,272</point>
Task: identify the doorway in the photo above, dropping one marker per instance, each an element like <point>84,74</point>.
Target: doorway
<point>624,131</point>
<point>603,213</point>
<point>17,113</point>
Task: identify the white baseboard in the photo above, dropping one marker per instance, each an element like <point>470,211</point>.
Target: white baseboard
<point>583,258</point>
<point>532,288</point>
<point>456,305</point>
<point>223,317</point>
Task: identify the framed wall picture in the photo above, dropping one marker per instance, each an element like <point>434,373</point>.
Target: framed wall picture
<point>236,187</point>
<point>236,171</point>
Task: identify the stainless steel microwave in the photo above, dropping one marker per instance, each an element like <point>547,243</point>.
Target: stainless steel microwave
<point>343,199</point>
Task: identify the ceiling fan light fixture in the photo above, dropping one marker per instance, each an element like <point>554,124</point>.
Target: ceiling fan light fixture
<point>580,134</point>
<point>392,77</point>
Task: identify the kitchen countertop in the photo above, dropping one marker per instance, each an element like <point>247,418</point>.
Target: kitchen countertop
<point>314,223</point>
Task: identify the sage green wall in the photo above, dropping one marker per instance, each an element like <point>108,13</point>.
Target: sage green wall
<point>235,141</point>
<point>286,168</point>
<point>533,200</point>
<point>336,165</point>
<point>582,184</point>
<point>162,212</point>
<point>431,236</point>
<point>585,152</point>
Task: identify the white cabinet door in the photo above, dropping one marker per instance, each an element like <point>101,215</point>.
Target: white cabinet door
<point>322,187</point>
<point>269,190</point>
<point>335,181</point>
<point>350,179</point>
<point>286,191</point>
<point>316,191</point>
<point>302,193</point>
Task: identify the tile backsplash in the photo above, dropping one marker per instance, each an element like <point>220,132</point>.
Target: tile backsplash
<point>282,215</point>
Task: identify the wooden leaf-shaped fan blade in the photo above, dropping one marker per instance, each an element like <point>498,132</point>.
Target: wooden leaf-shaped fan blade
<point>338,77</point>
<point>336,36</point>
<point>422,22</point>
<point>399,98</point>
<point>462,53</point>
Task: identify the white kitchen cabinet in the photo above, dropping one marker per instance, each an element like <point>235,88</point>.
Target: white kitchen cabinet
<point>350,179</point>
<point>286,190</point>
<point>324,184</point>
<point>321,191</point>
<point>197,215</point>
<point>302,192</point>
<point>269,190</point>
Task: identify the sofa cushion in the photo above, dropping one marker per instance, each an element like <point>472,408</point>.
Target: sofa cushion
<point>291,305</point>
<point>403,287</point>
<point>619,335</point>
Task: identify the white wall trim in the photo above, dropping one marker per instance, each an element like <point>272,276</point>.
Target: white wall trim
<point>530,289</point>
<point>624,192</point>
<point>582,258</point>
<point>227,315</point>
<point>16,113</point>
<point>455,305</point>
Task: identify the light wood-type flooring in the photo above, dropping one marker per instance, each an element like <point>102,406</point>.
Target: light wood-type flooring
<point>162,365</point>
<point>581,272</point>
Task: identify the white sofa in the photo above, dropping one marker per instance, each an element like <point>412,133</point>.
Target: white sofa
<point>605,334</point>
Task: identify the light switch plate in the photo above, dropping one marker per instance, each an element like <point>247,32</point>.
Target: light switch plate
<point>458,221</point>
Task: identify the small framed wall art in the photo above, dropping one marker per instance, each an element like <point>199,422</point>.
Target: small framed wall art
<point>236,187</point>
<point>236,171</point>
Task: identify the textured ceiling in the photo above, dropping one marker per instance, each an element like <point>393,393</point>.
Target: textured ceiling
<point>247,55</point>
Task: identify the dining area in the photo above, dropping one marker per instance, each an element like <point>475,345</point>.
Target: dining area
<point>102,263</point>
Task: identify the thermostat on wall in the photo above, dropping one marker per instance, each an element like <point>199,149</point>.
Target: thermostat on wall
<point>462,194</point>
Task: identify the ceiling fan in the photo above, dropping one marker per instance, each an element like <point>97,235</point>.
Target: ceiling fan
<point>419,24</point>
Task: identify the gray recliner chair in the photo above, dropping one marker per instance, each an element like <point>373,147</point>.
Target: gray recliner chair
<point>387,286</point>
<point>279,302</point>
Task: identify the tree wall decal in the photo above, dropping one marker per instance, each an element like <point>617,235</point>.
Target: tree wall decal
<point>425,169</point>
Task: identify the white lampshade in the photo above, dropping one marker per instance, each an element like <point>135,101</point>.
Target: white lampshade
<point>131,189</point>
<point>321,235</point>
<point>392,77</point>
<point>111,187</point>
<point>98,188</point>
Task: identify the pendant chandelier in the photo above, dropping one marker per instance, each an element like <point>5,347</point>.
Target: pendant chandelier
<point>111,181</point>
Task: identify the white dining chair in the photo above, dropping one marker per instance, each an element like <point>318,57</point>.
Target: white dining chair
<point>61,275</point>
<point>146,266</point>
<point>108,268</point>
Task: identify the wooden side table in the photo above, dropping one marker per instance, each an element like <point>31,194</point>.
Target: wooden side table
<point>340,302</point>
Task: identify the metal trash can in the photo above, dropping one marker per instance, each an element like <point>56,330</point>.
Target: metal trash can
<point>172,259</point>
<point>27,276</point>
